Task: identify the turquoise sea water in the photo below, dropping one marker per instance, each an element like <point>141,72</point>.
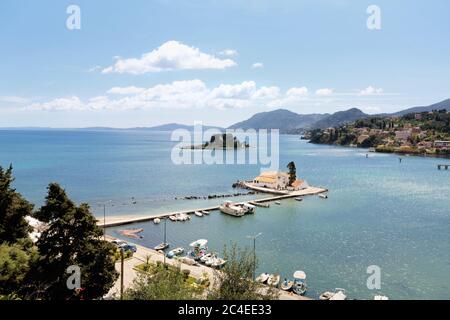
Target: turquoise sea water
<point>379,212</point>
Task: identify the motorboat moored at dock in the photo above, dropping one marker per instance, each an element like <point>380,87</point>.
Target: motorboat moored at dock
<point>299,286</point>
<point>237,209</point>
<point>162,246</point>
<point>198,214</point>
<point>199,248</point>
<point>175,252</point>
<point>287,285</point>
<point>299,199</point>
<point>156,220</point>
<point>337,294</point>
<point>274,280</point>
<point>323,196</point>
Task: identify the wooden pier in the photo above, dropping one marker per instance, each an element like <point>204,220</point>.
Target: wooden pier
<point>114,221</point>
<point>443,166</point>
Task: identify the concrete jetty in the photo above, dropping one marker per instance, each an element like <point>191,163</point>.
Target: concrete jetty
<point>114,221</point>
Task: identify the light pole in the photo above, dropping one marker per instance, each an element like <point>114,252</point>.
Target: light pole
<point>104,217</point>
<point>165,228</point>
<point>254,252</point>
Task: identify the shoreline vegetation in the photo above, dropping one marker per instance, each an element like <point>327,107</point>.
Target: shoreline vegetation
<point>422,134</point>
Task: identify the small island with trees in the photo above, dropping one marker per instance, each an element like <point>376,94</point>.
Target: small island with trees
<point>224,141</point>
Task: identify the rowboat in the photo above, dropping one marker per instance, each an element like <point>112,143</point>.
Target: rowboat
<point>263,277</point>
<point>198,214</point>
<point>299,199</point>
<point>338,294</point>
<point>323,196</point>
<point>175,252</point>
<point>156,220</point>
<point>173,218</point>
<point>274,280</point>
<point>277,202</point>
<point>205,212</point>
<point>286,285</point>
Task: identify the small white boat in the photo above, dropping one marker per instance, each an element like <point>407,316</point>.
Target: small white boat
<point>162,246</point>
<point>182,217</point>
<point>175,252</point>
<point>198,214</point>
<point>274,280</point>
<point>206,257</point>
<point>380,297</point>
<point>299,199</point>
<point>218,263</point>
<point>173,218</point>
<point>323,196</point>
<point>156,220</point>
<point>205,212</point>
<point>277,202</point>
<point>287,285</point>
<point>263,277</point>
<point>338,294</point>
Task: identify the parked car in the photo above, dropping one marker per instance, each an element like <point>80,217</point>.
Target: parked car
<point>128,247</point>
<point>118,242</point>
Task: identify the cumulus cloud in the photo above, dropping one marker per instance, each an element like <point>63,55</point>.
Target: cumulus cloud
<point>125,90</point>
<point>14,99</point>
<point>370,91</point>
<point>228,53</point>
<point>324,92</point>
<point>257,65</point>
<point>297,92</point>
<point>177,94</point>
<point>172,55</point>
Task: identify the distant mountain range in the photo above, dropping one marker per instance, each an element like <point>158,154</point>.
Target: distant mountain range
<point>290,122</point>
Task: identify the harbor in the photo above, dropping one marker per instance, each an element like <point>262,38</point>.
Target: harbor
<point>114,221</point>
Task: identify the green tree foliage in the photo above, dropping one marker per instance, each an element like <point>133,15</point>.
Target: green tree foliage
<point>15,260</point>
<point>13,210</point>
<point>161,283</point>
<point>292,172</point>
<point>235,280</point>
<point>72,238</point>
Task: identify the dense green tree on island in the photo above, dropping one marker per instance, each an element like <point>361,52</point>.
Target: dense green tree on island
<point>72,238</point>
<point>13,210</point>
<point>292,172</point>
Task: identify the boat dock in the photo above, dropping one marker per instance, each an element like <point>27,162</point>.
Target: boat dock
<point>114,221</point>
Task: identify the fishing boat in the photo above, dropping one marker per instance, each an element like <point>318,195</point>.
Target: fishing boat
<point>182,217</point>
<point>173,218</point>
<point>274,280</point>
<point>175,252</point>
<point>337,294</point>
<point>198,214</point>
<point>287,285</point>
<point>205,212</point>
<point>162,246</point>
<point>263,277</point>
<point>199,249</point>
<point>299,199</point>
<point>277,202</point>
<point>299,287</point>
<point>156,220</point>
<point>323,196</point>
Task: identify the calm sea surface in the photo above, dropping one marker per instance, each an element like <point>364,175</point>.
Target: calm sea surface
<point>379,212</point>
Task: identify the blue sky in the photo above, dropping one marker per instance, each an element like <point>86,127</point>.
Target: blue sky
<point>312,56</point>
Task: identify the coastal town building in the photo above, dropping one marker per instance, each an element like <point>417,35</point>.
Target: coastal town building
<point>442,144</point>
<point>278,181</point>
<point>403,134</point>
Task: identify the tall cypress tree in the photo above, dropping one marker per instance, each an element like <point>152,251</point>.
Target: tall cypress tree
<point>292,172</point>
<point>13,210</point>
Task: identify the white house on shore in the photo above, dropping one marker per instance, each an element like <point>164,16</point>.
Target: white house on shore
<point>278,181</point>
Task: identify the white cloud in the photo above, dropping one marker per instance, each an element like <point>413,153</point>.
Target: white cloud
<point>266,93</point>
<point>370,91</point>
<point>14,99</point>
<point>297,92</point>
<point>243,90</point>
<point>229,53</point>
<point>60,104</point>
<point>324,92</point>
<point>94,68</point>
<point>257,65</point>
<point>125,90</point>
<point>171,55</point>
